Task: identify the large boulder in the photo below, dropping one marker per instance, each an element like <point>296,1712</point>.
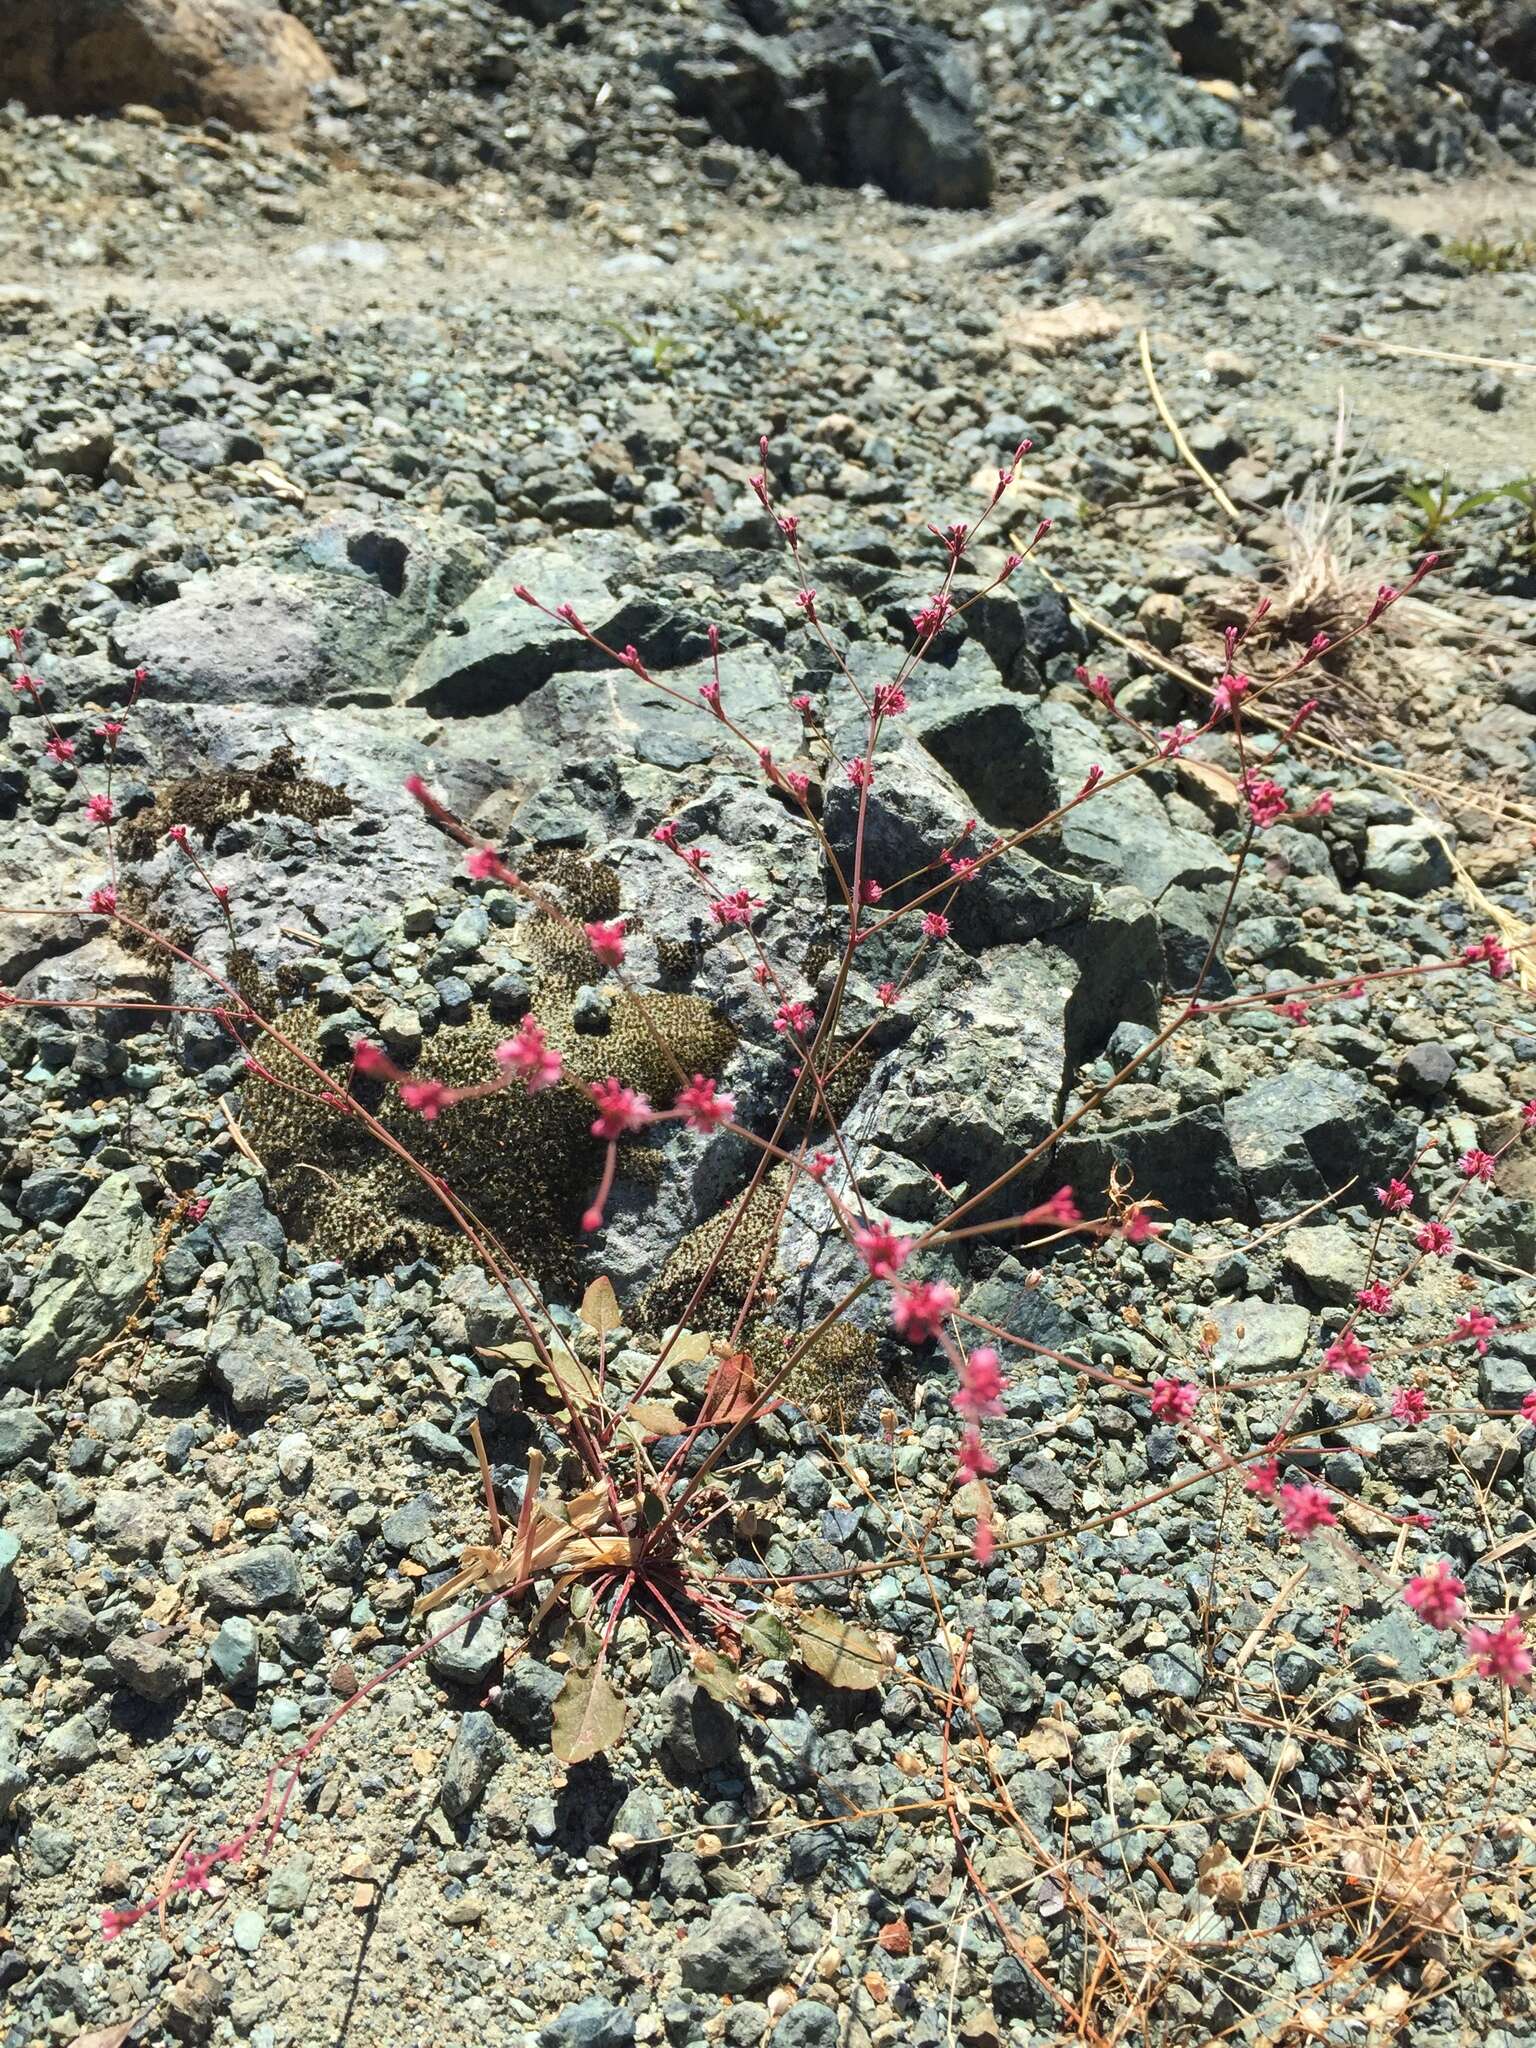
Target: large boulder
<point>244,61</point>
<point>865,99</point>
<point>93,1280</point>
<point>335,617</point>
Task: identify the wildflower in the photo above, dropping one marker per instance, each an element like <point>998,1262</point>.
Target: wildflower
<point>935,925</point>
<point>1347,1355</point>
<point>1475,1326</point>
<point>1377,1298</point>
<point>934,615</point>
<point>870,890</point>
<point>100,810</point>
<point>710,692</point>
<point>974,1460</point>
<point>1091,780</point>
<point>887,992</point>
<point>1321,805</point>
<point>793,1016</point>
<point>1528,1114</point>
<point>666,835</point>
<point>619,1109</point>
<point>370,1059</point>
<point>918,1311</point>
<point>104,900</point>
<point>1477,1164</point>
<point>1436,1595</point>
<point>60,748</point>
<point>1228,691</point>
<point>802,704</point>
<point>961,867</point>
<point>1174,1400</point>
<point>698,858</point>
<point>630,656</point>
<point>980,1392</point>
<point>1304,1509</point>
<point>1262,1478</point>
<point>606,940</point>
<point>983,1541</point>
<point>1060,1209</point>
<point>25,685</point>
<point>703,1109</point>
<point>954,537</point>
<point>1387,595</point>
<point>1434,1238</point>
<point>1318,644</point>
<point>798,780</point>
<point>111,730</point>
<point>1136,1226</point>
<point>177,835</point>
<point>569,614</point>
<point>890,699</point>
<point>115,1920</point>
<point>819,1165</point>
<point>1497,956</point>
<point>1173,739</point>
<point>860,773</point>
<point>1528,1406</point>
<point>1097,686</point>
<point>1267,801</point>
<point>428,1098</point>
<point>806,599</point>
<point>483,863</point>
<point>739,907</point>
<point>1409,1405</point>
<point>1395,1197</point>
<point>789,526</point>
<point>530,1056</point>
<point>1501,1652</point>
<point>881,1249</point>
<point>1293,1009</point>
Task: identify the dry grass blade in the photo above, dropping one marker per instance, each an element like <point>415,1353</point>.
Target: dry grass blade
<point>1414,1883</point>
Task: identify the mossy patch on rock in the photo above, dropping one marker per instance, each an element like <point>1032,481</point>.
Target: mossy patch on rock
<point>221,796</point>
<point>524,1165</point>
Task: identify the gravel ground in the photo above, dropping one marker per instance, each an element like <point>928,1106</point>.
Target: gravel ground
<point>285,420</point>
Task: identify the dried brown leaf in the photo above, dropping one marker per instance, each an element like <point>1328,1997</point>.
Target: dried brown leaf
<point>588,1717</point>
<point>838,1652</point>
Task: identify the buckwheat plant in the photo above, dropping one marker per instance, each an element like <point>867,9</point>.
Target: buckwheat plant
<point>633,1528</point>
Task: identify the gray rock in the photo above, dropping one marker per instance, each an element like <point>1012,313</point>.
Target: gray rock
<point>67,1750</point>
<point>13,1775</point>
<point>1303,1132</point>
<point>332,617</point>
<point>129,1525</point>
<point>857,101</point>
<point>234,1653</point>
<point>1326,1262</point>
<point>79,448</point>
<point>1258,1337</point>
<point>1186,1161</point>
<point>255,1582</point>
<point>700,1731</point>
<point>472,1763</point>
<point>739,1951</point>
<point>471,1656</point>
<point>10,1550</point>
<point>1406,860</point>
<point>90,1284</point>
<point>593,2023</point>
<point>148,1668</point>
<point>265,1369</point>
<point>23,1435</point>
<point>810,2024</point>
